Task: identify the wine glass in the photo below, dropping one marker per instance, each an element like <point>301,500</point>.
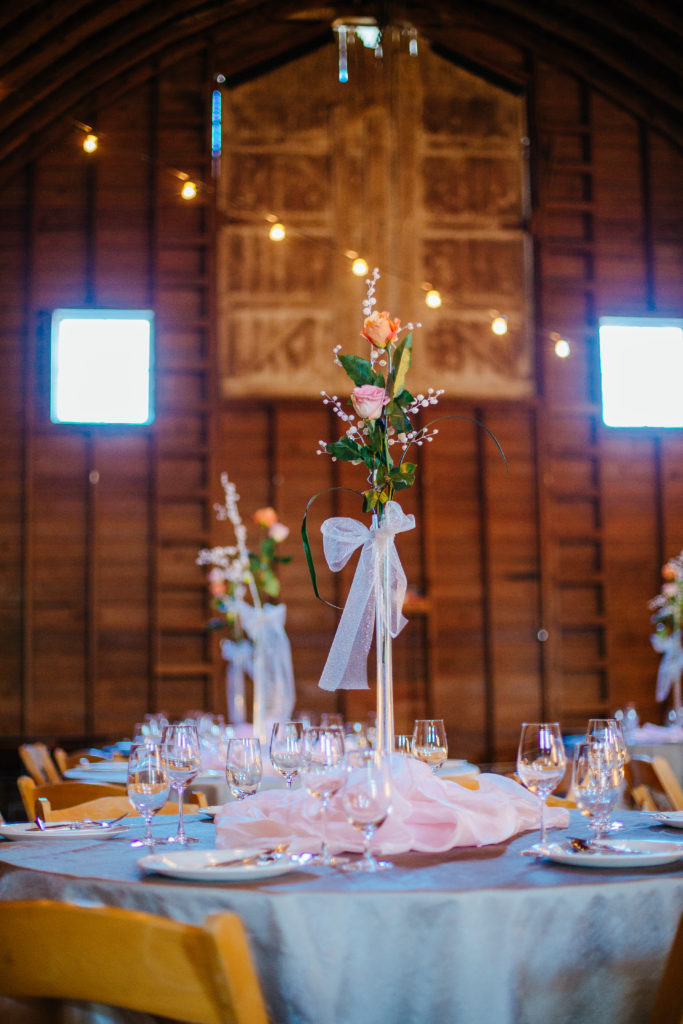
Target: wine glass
<point>243,766</point>
<point>403,744</point>
<point>148,785</point>
<point>429,742</point>
<point>366,800</point>
<point>323,775</point>
<point>541,764</point>
<point>608,730</point>
<point>596,783</point>
<point>181,754</point>
<point>286,749</point>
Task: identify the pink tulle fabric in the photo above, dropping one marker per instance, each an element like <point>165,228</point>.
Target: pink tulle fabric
<point>428,814</point>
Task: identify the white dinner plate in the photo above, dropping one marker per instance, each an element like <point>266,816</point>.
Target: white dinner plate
<point>27,830</point>
<point>207,866</point>
<point>674,818</point>
<point>641,854</point>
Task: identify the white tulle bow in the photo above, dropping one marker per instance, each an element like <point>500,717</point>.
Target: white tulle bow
<point>671,665</point>
<point>273,675</point>
<point>346,665</point>
<point>238,655</point>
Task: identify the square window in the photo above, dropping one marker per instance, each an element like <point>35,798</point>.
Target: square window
<point>102,361</point>
<point>641,365</point>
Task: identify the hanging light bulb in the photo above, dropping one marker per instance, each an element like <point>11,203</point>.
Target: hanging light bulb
<point>90,142</point>
<point>359,267</point>
<point>277,232</point>
<point>562,347</point>
<point>499,324</point>
<point>189,190</point>
<point>433,298</point>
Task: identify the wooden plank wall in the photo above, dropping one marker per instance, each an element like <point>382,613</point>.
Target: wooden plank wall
<point>532,586</point>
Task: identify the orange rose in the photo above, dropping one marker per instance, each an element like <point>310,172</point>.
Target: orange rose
<point>380,330</point>
<point>265,516</point>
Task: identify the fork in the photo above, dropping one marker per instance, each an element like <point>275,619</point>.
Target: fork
<point>74,826</point>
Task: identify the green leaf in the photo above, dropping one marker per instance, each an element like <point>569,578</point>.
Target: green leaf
<point>360,371</point>
<point>404,399</point>
<point>267,549</point>
<point>345,449</point>
<point>402,359</point>
<point>403,476</point>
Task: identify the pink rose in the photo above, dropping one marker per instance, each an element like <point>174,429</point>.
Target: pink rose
<point>380,330</point>
<point>368,401</point>
<point>279,532</point>
<point>265,516</point>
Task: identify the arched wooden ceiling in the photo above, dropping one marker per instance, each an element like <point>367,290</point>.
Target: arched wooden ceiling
<point>60,59</point>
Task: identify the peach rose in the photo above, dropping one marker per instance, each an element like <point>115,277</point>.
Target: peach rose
<point>279,532</point>
<point>265,516</point>
<point>380,330</point>
<point>368,401</point>
<point>216,583</point>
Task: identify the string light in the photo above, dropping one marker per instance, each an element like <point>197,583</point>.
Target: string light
<point>499,324</point>
<point>90,142</point>
<point>562,347</point>
<point>189,189</point>
<point>359,267</point>
<point>433,298</point>
<point>277,232</point>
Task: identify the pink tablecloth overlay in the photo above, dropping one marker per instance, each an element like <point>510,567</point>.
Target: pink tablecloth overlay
<point>428,814</point>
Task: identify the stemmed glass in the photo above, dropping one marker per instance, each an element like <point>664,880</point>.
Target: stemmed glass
<point>608,730</point>
<point>366,800</point>
<point>541,764</point>
<point>243,766</point>
<point>148,786</point>
<point>596,783</point>
<point>429,742</point>
<point>286,752</point>
<point>182,758</point>
<point>323,775</point>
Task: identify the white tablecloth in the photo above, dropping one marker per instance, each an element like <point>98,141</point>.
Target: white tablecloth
<point>469,937</point>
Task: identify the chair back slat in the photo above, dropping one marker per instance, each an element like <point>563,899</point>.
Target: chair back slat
<point>38,762</point>
<point>153,965</point>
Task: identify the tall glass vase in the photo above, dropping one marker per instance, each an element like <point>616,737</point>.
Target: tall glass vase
<point>385,682</point>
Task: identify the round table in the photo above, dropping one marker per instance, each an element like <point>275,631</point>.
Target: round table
<point>472,935</point>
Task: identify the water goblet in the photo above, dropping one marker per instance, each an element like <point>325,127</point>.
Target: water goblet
<point>323,776</point>
<point>243,766</point>
<point>541,764</point>
<point>148,786</point>
<point>596,783</point>
<point>286,753</point>
<point>608,730</point>
<point>429,742</point>
<point>366,799</point>
<point>182,758</point>
<point>403,744</point>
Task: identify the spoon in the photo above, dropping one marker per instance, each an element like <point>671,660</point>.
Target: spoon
<point>272,853</point>
<point>42,826</point>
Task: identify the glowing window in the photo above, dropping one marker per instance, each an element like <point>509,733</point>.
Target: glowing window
<point>641,363</point>
<point>102,363</point>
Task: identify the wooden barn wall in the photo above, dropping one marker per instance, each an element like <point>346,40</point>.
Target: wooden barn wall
<point>531,588</point>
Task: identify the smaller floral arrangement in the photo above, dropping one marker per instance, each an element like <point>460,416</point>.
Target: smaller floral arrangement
<point>667,606</point>
<point>237,573</point>
<point>380,409</point>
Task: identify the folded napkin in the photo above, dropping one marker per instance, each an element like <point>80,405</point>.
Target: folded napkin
<point>428,814</point>
<point>651,733</point>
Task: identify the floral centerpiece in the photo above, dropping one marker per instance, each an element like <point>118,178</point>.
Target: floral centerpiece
<point>243,585</point>
<point>667,618</point>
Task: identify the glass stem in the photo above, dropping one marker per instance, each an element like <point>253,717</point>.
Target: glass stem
<point>367,839</point>
<point>543,799</point>
<point>324,854</point>
<point>148,839</point>
<point>180,834</point>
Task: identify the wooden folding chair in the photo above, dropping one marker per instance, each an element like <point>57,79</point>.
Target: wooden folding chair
<point>62,794</point>
<point>668,1007</point>
<point>652,784</point>
<point>111,807</point>
<point>131,960</point>
<point>38,763</point>
<point>65,761</point>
